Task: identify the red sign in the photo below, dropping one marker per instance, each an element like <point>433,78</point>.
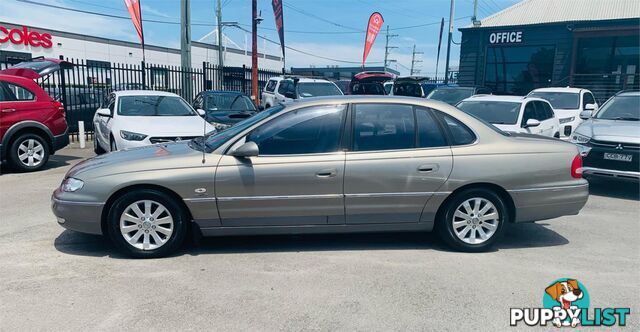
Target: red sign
<point>25,37</point>
<point>133,6</point>
<point>375,23</point>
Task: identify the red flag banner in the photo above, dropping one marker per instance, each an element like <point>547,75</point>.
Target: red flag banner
<point>375,23</point>
<point>277,12</point>
<point>133,6</point>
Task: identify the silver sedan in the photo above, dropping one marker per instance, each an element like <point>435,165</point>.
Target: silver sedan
<point>338,164</point>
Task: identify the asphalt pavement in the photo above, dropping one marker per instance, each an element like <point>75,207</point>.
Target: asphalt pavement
<point>54,279</point>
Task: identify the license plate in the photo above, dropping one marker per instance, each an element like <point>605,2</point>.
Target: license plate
<point>617,156</point>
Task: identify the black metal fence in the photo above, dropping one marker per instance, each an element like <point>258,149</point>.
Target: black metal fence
<point>83,88</point>
<point>604,86</point>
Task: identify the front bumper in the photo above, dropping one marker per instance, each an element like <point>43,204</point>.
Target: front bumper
<point>547,203</point>
<point>594,171</point>
<point>84,217</point>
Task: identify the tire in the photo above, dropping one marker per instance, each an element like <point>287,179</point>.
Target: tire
<point>96,146</point>
<point>467,233</point>
<point>112,144</point>
<point>28,153</point>
<point>146,237</point>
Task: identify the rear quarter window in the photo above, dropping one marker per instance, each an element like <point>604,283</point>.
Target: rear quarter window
<point>459,133</point>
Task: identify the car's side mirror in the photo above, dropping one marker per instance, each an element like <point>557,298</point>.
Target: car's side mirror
<point>590,107</point>
<point>104,112</point>
<point>585,115</point>
<point>201,112</point>
<point>248,149</point>
<point>531,123</point>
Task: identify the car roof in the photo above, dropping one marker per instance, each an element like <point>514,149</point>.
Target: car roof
<point>559,89</point>
<point>143,93</point>
<point>513,99</point>
<point>223,92</point>
<point>302,79</point>
<point>629,93</point>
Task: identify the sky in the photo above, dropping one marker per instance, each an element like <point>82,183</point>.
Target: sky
<point>324,28</point>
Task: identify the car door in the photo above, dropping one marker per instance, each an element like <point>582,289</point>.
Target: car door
<point>530,113</point>
<point>297,177</point>
<point>550,122</point>
<point>20,104</point>
<point>398,159</point>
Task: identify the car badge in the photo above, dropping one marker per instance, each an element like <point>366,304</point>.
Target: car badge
<point>619,147</point>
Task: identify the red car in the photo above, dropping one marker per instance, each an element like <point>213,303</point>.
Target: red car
<point>32,124</point>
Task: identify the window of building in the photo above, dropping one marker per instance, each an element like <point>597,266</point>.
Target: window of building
<point>383,127</point>
<point>518,70</point>
<point>309,130</point>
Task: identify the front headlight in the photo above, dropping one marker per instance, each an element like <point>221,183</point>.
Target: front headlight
<point>565,120</point>
<point>71,184</point>
<point>131,136</point>
<point>220,126</point>
<point>579,139</point>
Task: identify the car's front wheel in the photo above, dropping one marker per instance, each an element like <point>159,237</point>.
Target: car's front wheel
<point>147,224</point>
<point>28,153</point>
<point>473,220</point>
<point>96,146</point>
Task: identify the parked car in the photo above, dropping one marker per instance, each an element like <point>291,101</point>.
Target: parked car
<point>223,109</point>
<point>567,103</point>
<point>454,94</point>
<point>388,87</point>
<point>610,139</point>
<point>409,86</point>
<point>369,83</point>
<point>514,114</point>
<point>323,165</point>
<point>32,124</point>
<point>287,88</point>
<point>343,85</point>
<point>141,117</point>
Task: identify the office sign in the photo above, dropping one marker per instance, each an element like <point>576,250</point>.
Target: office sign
<point>507,37</point>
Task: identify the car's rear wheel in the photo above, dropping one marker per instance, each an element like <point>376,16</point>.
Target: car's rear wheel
<point>28,152</point>
<point>147,224</point>
<point>473,220</point>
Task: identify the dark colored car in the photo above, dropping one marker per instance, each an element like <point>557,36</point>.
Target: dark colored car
<point>369,83</point>
<point>224,108</point>
<point>410,86</point>
<point>32,124</point>
<point>609,141</point>
<point>452,95</point>
<point>343,85</point>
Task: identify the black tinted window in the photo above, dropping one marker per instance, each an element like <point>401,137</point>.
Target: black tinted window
<point>271,85</point>
<point>17,92</point>
<point>308,130</point>
<point>529,113</point>
<point>2,97</point>
<point>429,133</point>
<point>460,133</point>
<point>383,127</point>
<point>547,110</point>
<point>587,99</point>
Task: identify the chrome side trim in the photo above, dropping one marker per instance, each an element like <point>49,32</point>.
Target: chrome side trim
<point>199,199</point>
<point>548,188</point>
<point>60,201</point>
<point>611,172</point>
<point>401,194</point>
<point>260,198</point>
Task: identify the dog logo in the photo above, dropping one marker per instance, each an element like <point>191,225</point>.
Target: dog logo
<point>566,294</point>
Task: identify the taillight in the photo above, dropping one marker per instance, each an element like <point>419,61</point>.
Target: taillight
<point>576,167</point>
<point>58,105</point>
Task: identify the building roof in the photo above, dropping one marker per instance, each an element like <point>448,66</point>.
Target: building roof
<point>530,12</point>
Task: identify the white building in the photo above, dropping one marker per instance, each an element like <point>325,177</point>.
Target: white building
<point>18,42</point>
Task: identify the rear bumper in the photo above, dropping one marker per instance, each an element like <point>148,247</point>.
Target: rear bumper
<point>602,172</point>
<point>60,141</point>
<point>547,203</point>
<point>82,217</point>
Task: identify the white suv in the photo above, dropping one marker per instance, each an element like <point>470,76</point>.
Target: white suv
<point>567,104</point>
<point>514,114</point>
<point>286,88</point>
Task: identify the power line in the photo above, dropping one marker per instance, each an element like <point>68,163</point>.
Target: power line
<point>303,12</point>
<point>427,24</point>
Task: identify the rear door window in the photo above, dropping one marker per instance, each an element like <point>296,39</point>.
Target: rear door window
<point>383,127</point>
<point>429,133</point>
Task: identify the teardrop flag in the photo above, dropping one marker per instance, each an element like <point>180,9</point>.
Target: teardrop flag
<point>375,23</point>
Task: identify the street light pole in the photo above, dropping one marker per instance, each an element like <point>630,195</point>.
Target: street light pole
<point>220,57</point>
<point>446,69</point>
<point>185,47</point>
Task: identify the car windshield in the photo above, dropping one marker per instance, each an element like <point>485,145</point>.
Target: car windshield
<point>229,102</point>
<point>214,139</point>
<point>495,112</point>
<point>451,96</point>
<point>306,90</point>
<point>409,89</point>
<point>153,106</point>
<point>621,108</point>
<point>559,100</point>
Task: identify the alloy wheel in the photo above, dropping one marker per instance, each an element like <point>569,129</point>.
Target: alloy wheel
<point>31,152</point>
<point>146,225</point>
<point>475,220</point>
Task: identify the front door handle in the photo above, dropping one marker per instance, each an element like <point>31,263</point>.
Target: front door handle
<point>428,168</point>
<point>8,110</point>
<point>327,173</point>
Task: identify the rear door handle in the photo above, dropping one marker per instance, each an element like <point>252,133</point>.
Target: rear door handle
<point>327,173</point>
<point>8,110</point>
<point>428,168</point>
